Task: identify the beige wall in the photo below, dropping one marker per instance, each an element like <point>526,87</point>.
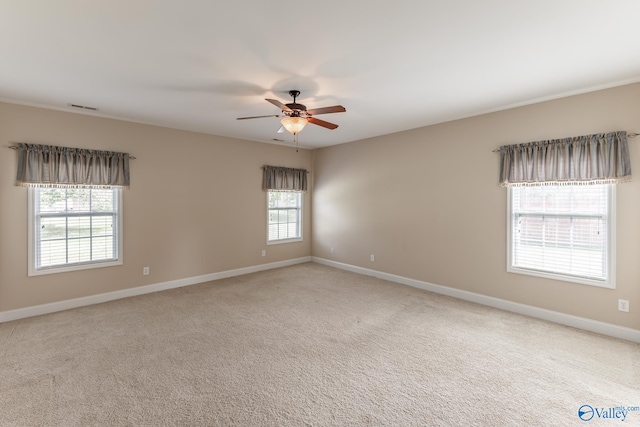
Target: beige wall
<point>446,223</point>
<point>195,205</point>
<point>209,215</point>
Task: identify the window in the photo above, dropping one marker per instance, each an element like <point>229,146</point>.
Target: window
<point>284,211</point>
<point>74,228</point>
<point>563,232</point>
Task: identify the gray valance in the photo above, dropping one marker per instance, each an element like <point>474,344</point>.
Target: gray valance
<point>591,159</point>
<point>51,166</point>
<point>284,179</point>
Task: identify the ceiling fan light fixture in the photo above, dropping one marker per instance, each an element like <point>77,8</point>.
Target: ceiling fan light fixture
<point>294,124</point>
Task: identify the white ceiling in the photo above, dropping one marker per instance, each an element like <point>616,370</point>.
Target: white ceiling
<point>395,65</point>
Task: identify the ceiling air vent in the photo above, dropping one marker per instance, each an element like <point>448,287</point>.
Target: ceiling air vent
<point>83,107</point>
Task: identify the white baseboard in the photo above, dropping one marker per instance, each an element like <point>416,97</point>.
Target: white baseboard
<point>37,310</point>
<point>527,310</point>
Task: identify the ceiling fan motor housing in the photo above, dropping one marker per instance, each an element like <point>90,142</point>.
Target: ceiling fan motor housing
<point>295,106</point>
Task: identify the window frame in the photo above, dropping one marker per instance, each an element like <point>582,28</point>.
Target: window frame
<point>300,218</point>
<point>610,245</point>
<point>34,270</point>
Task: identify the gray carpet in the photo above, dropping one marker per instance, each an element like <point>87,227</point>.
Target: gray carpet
<point>307,345</point>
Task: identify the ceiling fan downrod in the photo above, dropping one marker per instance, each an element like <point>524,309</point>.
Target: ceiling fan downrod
<point>294,94</point>
<point>294,106</point>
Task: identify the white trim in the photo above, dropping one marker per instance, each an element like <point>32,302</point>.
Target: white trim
<point>300,218</point>
<point>32,245</point>
<point>609,282</point>
<point>37,310</point>
<point>515,307</point>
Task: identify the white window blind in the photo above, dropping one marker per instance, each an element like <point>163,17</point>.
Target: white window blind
<point>74,228</point>
<point>284,221</point>
<point>563,232</point>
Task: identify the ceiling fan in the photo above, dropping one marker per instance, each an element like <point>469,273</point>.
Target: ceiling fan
<point>296,116</point>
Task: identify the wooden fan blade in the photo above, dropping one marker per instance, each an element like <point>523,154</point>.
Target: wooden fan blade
<point>259,117</point>
<point>327,110</point>
<point>322,123</point>
<point>278,104</point>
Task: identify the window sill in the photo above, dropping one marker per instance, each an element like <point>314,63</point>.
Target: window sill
<point>610,284</point>
<point>68,268</point>
<point>279,242</point>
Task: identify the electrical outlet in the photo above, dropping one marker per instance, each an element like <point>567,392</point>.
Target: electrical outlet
<point>145,271</point>
<point>331,250</point>
<point>264,252</point>
<point>623,305</point>
<point>372,258</point>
